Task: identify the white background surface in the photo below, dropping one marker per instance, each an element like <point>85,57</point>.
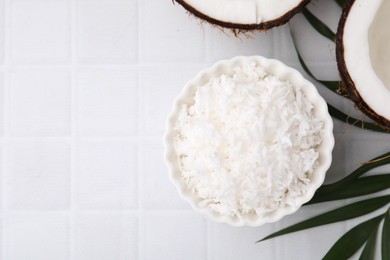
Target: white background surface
<point>86,86</point>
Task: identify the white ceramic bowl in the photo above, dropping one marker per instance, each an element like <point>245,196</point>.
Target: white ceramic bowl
<point>282,72</point>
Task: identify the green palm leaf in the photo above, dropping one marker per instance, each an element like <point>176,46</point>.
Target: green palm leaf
<point>386,237</point>
<point>341,3</point>
<point>378,161</point>
<point>351,241</point>
<point>352,185</point>
<point>359,187</point>
<point>350,211</point>
<point>334,86</point>
<point>334,112</point>
<point>331,85</point>
<point>369,249</point>
<point>318,25</point>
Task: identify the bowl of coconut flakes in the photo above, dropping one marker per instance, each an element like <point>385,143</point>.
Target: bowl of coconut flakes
<point>248,141</point>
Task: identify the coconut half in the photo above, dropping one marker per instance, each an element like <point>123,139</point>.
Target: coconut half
<point>244,14</point>
<point>363,56</point>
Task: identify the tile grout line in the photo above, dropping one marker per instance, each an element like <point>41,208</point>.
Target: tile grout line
<point>140,199</point>
<point>4,171</point>
<point>209,241</point>
<point>139,147</point>
<point>134,138</point>
<point>141,210</point>
<point>140,141</point>
<point>73,130</point>
<point>137,60</point>
<point>275,244</point>
<point>6,79</point>
<point>140,45</point>
<point>113,66</point>
<point>101,211</point>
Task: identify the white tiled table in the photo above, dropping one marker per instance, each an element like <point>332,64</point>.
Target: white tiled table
<point>85,87</point>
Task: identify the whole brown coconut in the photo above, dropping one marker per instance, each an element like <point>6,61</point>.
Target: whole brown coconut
<point>361,33</point>
<point>244,15</point>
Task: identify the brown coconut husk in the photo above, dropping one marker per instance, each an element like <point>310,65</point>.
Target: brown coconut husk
<point>346,79</point>
<point>239,28</point>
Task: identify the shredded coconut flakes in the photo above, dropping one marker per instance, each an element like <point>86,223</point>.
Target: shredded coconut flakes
<point>247,145</point>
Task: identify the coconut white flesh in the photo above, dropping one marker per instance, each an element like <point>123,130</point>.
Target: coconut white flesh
<point>367,52</point>
<point>379,42</point>
<point>243,11</point>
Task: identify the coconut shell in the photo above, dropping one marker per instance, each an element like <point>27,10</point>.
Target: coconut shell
<point>346,79</point>
<point>246,27</point>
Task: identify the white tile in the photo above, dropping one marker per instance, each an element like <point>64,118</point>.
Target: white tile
<point>231,243</point>
<point>107,103</point>
<point>319,50</point>
<point>363,147</point>
<point>323,71</point>
<point>161,86</point>
<point>38,176</point>
<point>247,45</point>
<point>1,104</point>
<point>107,1</point>
<point>2,177</point>
<point>170,34</point>
<point>106,236</point>
<point>107,32</point>
<point>40,102</point>
<point>40,31</point>
<point>327,11</point>
<point>174,236</point>
<point>43,237</point>
<point>107,175</point>
<point>284,48</point>
<point>158,190</point>
<point>2,241</point>
<point>311,242</point>
<point>337,169</point>
<point>2,31</point>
